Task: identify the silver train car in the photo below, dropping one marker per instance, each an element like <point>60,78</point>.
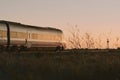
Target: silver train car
<point>13,34</point>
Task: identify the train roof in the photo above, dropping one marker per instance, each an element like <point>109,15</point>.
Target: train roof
<point>37,27</point>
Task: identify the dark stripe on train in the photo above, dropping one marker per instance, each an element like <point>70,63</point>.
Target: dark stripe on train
<point>36,44</point>
<point>32,43</point>
<point>8,34</point>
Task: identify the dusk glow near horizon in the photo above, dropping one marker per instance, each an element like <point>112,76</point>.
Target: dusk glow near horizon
<point>92,16</point>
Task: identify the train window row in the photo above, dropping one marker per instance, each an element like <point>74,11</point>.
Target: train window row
<point>45,37</point>
<point>35,36</point>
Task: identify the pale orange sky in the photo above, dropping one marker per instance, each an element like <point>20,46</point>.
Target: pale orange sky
<point>93,16</point>
<point>89,15</point>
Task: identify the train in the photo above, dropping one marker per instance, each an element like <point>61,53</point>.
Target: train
<point>17,36</point>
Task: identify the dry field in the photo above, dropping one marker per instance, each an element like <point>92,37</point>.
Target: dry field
<point>66,65</point>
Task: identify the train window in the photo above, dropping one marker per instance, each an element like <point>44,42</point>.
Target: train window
<point>34,36</point>
<point>39,36</point>
<point>58,38</point>
<point>43,37</point>
<point>53,37</point>
<point>13,34</point>
<point>24,35</point>
<point>4,34</point>
<point>21,35</point>
<point>48,37</point>
<point>1,34</point>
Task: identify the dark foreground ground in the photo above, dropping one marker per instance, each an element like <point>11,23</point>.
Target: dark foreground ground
<point>67,65</point>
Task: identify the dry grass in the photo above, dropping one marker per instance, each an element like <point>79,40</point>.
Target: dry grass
<point>77,66</point>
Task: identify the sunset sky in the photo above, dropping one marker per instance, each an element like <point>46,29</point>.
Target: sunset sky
<point>94,16</point>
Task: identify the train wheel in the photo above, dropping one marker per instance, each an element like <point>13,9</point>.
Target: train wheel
<point>59,48</point>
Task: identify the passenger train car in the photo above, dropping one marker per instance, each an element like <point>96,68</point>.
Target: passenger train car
<point>13,34</point>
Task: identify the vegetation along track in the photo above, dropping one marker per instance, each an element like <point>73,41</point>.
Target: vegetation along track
<point>83,64</point>
<point>63,52</point>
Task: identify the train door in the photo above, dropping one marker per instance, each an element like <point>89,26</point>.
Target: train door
<point>28,39</point>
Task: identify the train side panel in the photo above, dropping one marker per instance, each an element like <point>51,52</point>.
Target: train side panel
<point>29,36</point>
<point>32,37</point>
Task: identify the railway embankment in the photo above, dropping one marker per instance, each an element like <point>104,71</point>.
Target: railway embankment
<point>62,65</point>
